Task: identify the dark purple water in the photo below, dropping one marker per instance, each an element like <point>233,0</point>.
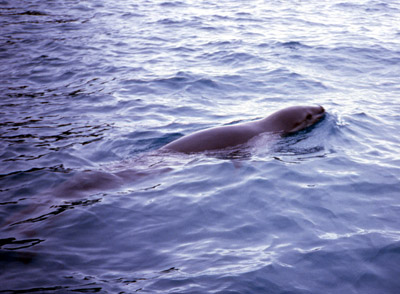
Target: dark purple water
<point>91,89</point>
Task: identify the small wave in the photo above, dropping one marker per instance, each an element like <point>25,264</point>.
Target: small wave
<point>293,80</point>
<point>179,81</point>
<point>294,45</point>
<point>238,58</point>
<point>183,49</point>
<point>348,5</point>
<point>220,44</point>
<point>172,4</point>
<point>370,6</point>
<point>132,15</point>
<point>169,21</point>
<point>205,83</point>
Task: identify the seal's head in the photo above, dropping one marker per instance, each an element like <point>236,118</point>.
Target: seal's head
<point>296,118</point>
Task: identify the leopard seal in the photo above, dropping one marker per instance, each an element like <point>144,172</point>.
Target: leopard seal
<point>284,121</point>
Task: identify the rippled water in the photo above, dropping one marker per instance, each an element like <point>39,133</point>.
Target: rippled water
<point>91,89</point>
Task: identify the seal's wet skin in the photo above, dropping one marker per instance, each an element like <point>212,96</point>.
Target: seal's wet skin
<point>285,121</point>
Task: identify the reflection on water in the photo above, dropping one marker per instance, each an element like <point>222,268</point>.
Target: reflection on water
<point>91,90</point>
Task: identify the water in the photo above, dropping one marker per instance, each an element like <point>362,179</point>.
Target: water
<point>91,89</point>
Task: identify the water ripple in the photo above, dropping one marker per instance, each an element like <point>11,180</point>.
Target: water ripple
<point>91,90</point>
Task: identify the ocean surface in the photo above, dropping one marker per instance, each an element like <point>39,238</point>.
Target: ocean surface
<point>90,90</point>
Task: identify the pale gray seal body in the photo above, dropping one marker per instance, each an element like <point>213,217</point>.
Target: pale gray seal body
<point>285,121</point>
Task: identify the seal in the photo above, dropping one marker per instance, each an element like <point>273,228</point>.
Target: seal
<point>284,121</point>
